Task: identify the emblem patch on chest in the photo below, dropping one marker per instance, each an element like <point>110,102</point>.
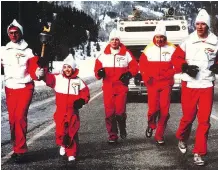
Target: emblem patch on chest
<point>208,50</point>
<point>165,53</point>
<point>210,53</point>
<point>75,84</point>
<point>75,87</point>
<point>120,60</point>
<point>18,55</point>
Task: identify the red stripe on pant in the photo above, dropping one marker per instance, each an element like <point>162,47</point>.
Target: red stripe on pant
<point>196,102</point>
<point>18,101</point>
<point>115,104</point>
<point>74,126</point>
<point>158,103</point>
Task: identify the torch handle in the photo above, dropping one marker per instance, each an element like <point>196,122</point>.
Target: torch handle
<point>43,50</point>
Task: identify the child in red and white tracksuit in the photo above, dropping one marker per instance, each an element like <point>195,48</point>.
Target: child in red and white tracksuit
<point>71,94</point>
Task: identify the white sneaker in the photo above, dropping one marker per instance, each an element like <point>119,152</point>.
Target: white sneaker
<point>71,158</point>
<point>62,151</point>
<point>182,147</point>
<point>160,142</point>
<point>198,160</point>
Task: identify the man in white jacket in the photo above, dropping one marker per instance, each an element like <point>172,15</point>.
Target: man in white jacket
<point>197,58</point>
<point>20,69</point>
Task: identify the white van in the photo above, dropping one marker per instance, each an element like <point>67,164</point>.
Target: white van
<point>136,34</point>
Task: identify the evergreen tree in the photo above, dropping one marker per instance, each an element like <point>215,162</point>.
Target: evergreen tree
<point>89,49</point>
<point>98,47</point>
<point>67,30</point>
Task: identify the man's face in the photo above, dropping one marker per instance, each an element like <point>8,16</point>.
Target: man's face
<point>14,35</point>
<point>160,40</point>
<point>115,43</point>
<point>67,70</point>
<point>202,29</point>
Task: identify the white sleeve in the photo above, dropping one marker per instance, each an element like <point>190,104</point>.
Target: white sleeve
<point>2,53</point>
<point>29,53</point>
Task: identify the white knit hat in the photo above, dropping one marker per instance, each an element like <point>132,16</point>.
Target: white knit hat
<point>203,17</point>
<point>160,30</point>
<point>114,34</point>
<point>16,24</point>
<point>69,60</point>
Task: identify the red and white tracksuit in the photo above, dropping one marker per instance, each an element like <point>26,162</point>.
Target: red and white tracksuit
<point>197,93</point>
<point>157,73</point>
<point>115,92</point>
<point>67,90</point>
<point>19,66</point>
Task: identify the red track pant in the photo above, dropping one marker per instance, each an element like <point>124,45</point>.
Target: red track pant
<point>115,104</point>
<point>196,101</point>
<point>18,101</point>
<point>74,125</point>
<point>158,106</point>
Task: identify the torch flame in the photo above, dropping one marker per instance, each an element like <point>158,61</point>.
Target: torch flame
<point>45,29</point>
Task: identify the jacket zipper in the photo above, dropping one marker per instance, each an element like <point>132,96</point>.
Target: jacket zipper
<point>160,61</point>
<point>114,63</point>
<point>68,89</point>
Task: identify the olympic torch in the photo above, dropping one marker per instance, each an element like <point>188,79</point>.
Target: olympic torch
<point>45,37</point>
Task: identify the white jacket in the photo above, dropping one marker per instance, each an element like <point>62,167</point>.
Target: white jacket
<point>201,54</point>
<point>16,60</point>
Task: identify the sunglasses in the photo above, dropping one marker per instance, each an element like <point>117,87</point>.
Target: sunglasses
<point>13,33</point>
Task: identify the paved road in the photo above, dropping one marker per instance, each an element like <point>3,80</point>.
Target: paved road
<point>136,152</point>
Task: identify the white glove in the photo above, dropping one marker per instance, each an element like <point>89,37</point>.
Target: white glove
<point>39,72</point>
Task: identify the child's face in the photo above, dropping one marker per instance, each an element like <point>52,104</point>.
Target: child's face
<point>67,70</point>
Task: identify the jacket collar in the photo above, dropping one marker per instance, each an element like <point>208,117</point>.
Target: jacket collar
<point>121,52</point>
<point>211,38</point>
<point>74,75</point>
<point>19,45</point>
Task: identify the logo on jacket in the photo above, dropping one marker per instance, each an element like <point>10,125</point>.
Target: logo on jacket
<point>76,87</point>
<point>18,55</point>
<point>120,60</point>
<point>165,53</point>
<point>210,53</point>
<point>208,50</point>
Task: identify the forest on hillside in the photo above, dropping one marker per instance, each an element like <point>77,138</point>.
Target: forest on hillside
<point>69,26</point>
